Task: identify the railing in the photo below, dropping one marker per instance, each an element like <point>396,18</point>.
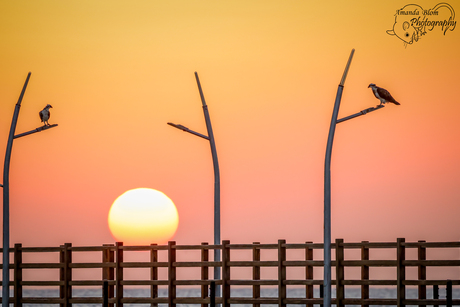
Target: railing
<point>255,266</point>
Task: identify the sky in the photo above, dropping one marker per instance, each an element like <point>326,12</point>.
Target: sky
<point>116,72</point>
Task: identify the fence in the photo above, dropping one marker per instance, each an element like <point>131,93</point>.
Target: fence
<point>279,266</point>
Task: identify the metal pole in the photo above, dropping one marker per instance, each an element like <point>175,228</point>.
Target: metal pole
<point>327,189</point>
<point>215,163</point>
<point>189,131</point>
<point>6,201</point>
<point>39,129</point>
<point>363,112</point>
<point>327,201</point>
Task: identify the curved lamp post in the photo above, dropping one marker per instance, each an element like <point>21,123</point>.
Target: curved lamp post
<point>6,194</point>
<point>215,162</point>
<point>327,181</point>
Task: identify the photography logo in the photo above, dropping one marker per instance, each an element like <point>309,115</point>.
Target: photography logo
<point>412,21</point>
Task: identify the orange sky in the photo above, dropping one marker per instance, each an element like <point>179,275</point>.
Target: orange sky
<point>116,72</point>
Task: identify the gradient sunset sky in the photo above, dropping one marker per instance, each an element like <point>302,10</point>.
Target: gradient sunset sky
<point>117,71</point>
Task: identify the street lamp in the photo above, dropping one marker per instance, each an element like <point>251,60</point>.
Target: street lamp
<point>327,180</point>
<point>215,162</point>
<point>6,194</point>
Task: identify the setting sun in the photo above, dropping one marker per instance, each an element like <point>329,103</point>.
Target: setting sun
<point>143,216</point>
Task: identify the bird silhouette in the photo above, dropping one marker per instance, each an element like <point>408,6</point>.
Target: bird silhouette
<point>382,94</point>
<point>45,114</point>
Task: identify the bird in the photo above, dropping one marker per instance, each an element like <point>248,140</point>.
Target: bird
<point>382,94</point>
<point>45,114</point>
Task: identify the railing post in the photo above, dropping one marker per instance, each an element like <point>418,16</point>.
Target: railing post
<point>449,293</point>
<point>281,273</point>
<point>212,294</point>
<point>119,273</point>
<point>108,273</point>
<point>421,270</point>
<point>401,271</point>
<point>205,272</point>
<point>256,272</point>
<point>171,273</point>
<point>17,275</point>
<point>321,294</point>
<point>365,272</point>
<point>309,272</point>
<point>66,274</point>
<point>339,272</point>
<point>105,293</point>
<point>154,272</point>
<point>225,273</point>
<point>435,292</point>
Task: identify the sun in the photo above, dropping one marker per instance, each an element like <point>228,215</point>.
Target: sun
<point>143,216</point>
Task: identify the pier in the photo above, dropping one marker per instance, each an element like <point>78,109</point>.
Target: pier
<point>420,265</point>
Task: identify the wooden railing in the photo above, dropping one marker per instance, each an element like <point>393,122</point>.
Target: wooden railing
<point>292,265</point>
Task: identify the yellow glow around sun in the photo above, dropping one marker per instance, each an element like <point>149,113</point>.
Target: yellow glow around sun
<point>143,216</point>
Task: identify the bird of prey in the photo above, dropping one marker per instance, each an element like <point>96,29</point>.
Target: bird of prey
<point>382,94</point>
<point>45,114</point>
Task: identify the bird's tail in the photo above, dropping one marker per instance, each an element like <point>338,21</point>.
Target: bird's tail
<point>395,102</point>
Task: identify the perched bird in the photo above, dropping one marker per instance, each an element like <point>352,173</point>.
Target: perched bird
<point>45,114</point>
<point>382,94</point>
